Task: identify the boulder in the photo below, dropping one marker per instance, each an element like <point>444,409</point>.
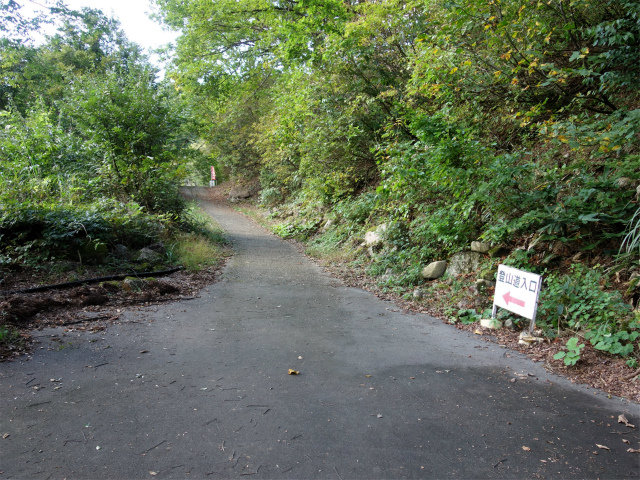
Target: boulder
<point>491,323</point>
<point>488,274</point>
<point>149,256</point>
<point>133,284</point>
<point>434,270</point>
<point>482,284</point>
<point>464,262</point>
<point>158,247</point>
<point>480,247</point>
<point>374,237</point>
<point>624,182</point>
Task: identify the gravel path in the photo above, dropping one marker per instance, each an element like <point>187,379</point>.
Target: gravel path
<point>201,389</point>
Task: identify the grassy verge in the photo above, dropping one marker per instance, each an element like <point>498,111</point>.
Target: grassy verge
<point>201,248</point>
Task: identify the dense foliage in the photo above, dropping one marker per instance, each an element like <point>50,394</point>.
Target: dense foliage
<point>514,122</point>
<point>92,145</point>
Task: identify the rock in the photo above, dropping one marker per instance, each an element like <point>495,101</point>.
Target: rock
<point>482,284</point>
<point>158,247</point>
<point>121,252</point>
<point>434,270</point>
<point>149,256</point>
<point>238,193</point>
<point>374,237</point>
<point>624,182</point>
<point>508,323</point>
<point>488,274</point>
<point>498,251</point>
<point>132,284</point>
<point>480,247</point>
<point>527,339</point>
<point>491,323</point>
<point>464,262</point>
<point>417,294</point>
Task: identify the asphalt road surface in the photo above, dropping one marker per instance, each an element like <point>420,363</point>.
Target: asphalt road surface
<point>380,393</point>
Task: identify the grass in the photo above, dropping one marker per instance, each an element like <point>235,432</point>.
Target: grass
<point>9,337</point>
<point>202,248</point>
<point>196,252</point>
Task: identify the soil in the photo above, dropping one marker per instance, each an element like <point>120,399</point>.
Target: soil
<point>85,307</point>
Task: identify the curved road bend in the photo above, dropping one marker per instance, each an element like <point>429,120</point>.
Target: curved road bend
<point>380,394</point>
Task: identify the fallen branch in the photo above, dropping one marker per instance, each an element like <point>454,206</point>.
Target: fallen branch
<point>92,280</point>
<point>631,375</point>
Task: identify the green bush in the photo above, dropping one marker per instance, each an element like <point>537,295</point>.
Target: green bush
<point>577,302</point>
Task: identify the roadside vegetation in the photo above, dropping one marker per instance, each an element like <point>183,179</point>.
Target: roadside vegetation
<point>93,148</point>
<point>512,123</point>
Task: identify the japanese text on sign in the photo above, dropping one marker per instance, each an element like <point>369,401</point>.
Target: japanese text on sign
<point>517,291</point>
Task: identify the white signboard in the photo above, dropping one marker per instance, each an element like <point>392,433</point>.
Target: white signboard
<point>517,291</point>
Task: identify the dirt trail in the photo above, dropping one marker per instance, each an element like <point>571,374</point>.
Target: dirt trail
<point>201,388</point>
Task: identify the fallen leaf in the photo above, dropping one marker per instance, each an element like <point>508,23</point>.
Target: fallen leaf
<point>526,449</point>
<point>293,372</point>
<point>602,447</point>
<point>379,416</point>
<point>633,450</point>
<point>623,419</point>
<point>478,332</point>
<point>626,441</point>
<point>144,351</point>
<point>6,435</point>
<point>368,376</point>
<point>153,473</point>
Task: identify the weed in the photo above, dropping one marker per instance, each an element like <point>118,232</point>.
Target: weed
<point>572,355</point>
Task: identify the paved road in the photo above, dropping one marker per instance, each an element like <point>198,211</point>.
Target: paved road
<point>380,394</point>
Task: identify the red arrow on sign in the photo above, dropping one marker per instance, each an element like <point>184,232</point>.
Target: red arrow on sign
<point>508,298</point>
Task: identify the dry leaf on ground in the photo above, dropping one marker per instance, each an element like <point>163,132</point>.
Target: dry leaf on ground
<point>623,419</point>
